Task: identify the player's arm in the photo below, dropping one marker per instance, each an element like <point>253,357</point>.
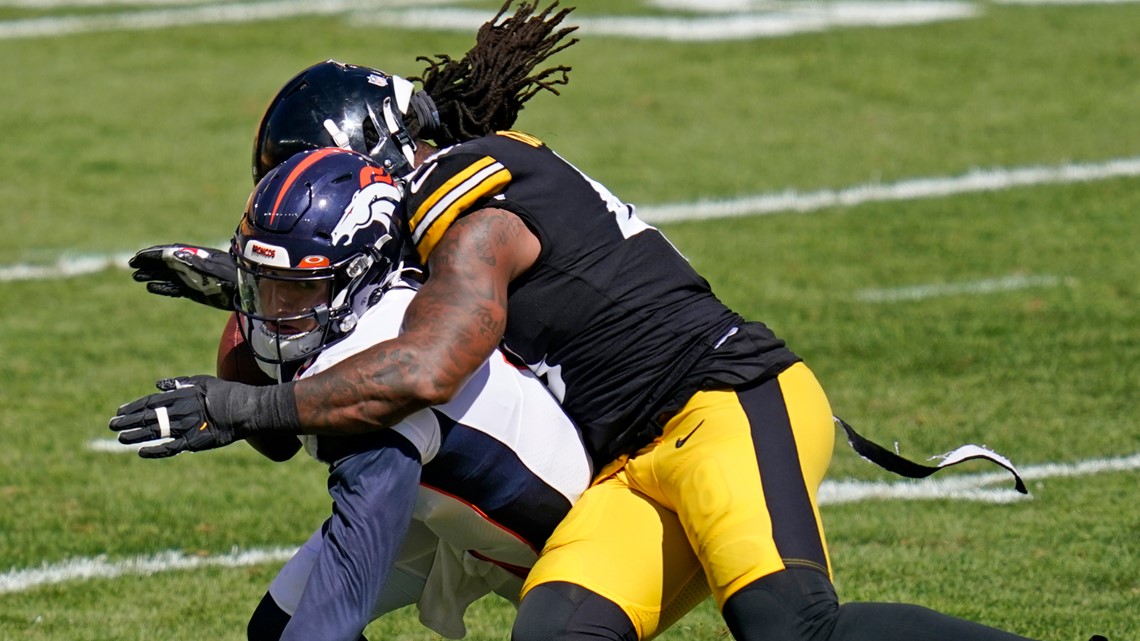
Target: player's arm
<point>374,494</point>
<point>455,322</point>
<point>451,327</point>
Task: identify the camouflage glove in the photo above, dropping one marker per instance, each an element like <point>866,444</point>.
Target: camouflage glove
<point>202,274</point>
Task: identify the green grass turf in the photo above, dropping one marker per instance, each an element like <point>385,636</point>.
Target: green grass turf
<point>114,141</point>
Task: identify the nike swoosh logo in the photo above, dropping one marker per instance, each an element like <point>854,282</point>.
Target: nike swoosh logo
<point>685,439</point>
<point>419,180</point>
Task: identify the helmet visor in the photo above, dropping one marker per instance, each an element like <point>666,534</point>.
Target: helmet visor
<point>288,301</point>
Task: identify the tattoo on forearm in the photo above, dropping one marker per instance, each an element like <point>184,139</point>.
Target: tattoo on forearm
<point>451,327</point>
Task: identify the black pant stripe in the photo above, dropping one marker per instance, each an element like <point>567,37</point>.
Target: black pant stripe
<point>794,527</point>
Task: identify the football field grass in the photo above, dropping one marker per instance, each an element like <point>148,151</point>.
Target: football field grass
<point>941,218</point>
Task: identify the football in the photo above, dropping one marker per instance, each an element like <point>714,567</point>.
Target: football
<point>236,361</point>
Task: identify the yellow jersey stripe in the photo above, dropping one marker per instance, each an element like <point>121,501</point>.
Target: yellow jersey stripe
<point>437,220</point>
<point>455,189</point>
<point>521,137</point>
<point>444,190</point>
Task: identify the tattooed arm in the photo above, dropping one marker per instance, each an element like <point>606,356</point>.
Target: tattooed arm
<point>451,327</point>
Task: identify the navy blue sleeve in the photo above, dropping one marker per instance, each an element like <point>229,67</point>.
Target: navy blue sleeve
<point>373,494</point>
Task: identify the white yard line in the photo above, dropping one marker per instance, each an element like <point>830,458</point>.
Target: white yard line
<point>740,6</point>
<point>965,487</point>
<point>784,202</point>
<point>72,265</point>
<point>64,4</point>
<point>790,201</point>
<point>1064,2</point>
<point>100,567</point>
<point>706,21</point>
<point>779,20</point>
<point>187,15</point>
<point>974,181</point>
<point>711,21</point>
<point>969,487</point>
<point>784,19</point>
<point>935,290</point>
<point>64,267</point>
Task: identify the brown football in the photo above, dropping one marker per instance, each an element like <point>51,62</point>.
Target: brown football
<point>235,358</point>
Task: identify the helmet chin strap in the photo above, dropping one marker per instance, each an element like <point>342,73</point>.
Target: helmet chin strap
<point>399,133</point>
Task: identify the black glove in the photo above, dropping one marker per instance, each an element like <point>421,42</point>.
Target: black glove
<point>204,275</point>
<point>203,413</point>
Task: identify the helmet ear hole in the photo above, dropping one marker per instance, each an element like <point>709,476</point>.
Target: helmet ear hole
<point>371,135</point>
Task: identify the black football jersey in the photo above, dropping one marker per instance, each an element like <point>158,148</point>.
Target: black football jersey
<point>611,316</point>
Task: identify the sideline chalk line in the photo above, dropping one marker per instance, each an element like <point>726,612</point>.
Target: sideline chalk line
<point>701,20</point>
<point>973,181</point>
<point>772,20</point>
<point>182,15</point>
<point>969,487</point>
<point>784,202</point>
<point>985,286</point>
<point>966,487</point>
<point>101,567</point>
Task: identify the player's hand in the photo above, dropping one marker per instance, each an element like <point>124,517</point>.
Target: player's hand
<point>181,412</point>
<point>202,274</point>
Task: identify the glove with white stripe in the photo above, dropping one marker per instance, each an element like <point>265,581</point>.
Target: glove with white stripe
<point>203,413</point>
<point>204,275</point>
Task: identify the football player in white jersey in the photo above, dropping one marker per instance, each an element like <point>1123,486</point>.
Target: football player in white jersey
<point>453,503</point>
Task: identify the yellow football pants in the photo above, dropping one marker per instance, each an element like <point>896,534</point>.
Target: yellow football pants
<point>725,496</point>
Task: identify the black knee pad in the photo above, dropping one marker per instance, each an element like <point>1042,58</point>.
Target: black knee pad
<point>793,604</point>
<point>268,621</point>
<point>560,611</point>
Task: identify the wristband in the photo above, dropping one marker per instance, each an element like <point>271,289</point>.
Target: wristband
<point>250,409</point>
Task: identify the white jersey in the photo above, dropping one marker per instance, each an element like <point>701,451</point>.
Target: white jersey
<point>502,465</point>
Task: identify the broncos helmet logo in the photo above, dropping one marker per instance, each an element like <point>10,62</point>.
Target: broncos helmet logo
<point>373,203</point>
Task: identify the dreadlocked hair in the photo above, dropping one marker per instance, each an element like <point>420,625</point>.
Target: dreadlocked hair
<point>484,91</point>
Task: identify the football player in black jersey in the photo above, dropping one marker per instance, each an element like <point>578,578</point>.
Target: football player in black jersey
<point>712,437</point>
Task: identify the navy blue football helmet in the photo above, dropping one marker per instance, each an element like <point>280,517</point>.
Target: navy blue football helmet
<point>320,237</point>
<point>332,104</point>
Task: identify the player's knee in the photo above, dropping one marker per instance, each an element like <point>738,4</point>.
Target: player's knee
<point>268,621</point>
<point>795,604</point>
<point>560,611</point>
